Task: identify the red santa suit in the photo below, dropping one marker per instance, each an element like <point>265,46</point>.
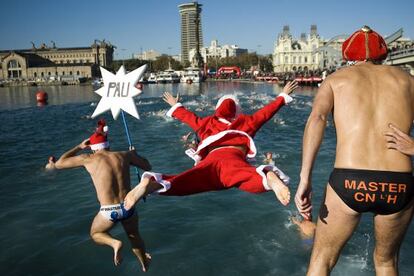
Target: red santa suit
<point>219,166</point>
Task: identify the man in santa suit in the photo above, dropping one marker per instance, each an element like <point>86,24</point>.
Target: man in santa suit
<point>226,141</point>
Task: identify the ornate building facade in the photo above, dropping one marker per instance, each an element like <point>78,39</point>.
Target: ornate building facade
<point>51,61</point>
<point>291,55</point>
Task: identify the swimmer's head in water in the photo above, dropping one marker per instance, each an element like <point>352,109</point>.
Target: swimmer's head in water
<point>363,45</point>
<point>99,140</point>
<point>52,159</point>
<point>227,107</point>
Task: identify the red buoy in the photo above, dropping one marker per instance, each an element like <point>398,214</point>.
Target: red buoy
<point>139,86</point>
<point>41,96</point>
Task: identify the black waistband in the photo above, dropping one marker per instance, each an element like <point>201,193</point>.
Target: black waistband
<point>371,172</point>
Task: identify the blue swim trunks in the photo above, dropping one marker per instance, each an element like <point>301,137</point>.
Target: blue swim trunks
<point>116,212</point>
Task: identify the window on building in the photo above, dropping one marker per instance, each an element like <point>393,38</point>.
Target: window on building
<point>63,73</point>
<point>70,73</point>
<point>300,59</point>
<point>42,75</point>
<point>14,69</point>
<point>306,59</point>
<point>77,73</point>
<point>286,59</point>
<point>48,73</point>
<point>294,60</point>
<point>35,74</point>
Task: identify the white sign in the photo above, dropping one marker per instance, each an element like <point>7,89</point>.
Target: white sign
<point>119,91</point>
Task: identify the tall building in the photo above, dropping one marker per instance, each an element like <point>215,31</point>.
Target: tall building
<point>188,12</point>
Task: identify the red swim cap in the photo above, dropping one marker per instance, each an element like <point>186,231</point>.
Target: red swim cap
<point>364,44</point>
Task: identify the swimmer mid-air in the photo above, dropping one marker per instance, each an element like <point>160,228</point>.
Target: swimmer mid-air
<point>226,140</point>
<point>110,175</point>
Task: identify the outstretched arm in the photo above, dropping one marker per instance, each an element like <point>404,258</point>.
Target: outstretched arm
<point>398,140</point>
<point>267,112</point>
<point>138,161</point>
<point>70,160</point>
<point>179,112</point>
<point>312,139</point>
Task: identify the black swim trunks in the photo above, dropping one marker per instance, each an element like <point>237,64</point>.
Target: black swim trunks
<point>380,192</point>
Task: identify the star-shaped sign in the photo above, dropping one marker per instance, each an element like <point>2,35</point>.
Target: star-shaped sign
<point>119,91</point>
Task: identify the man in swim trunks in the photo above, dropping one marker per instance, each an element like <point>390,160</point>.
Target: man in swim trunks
<point>225,143</point>
<point>110,175</point>
<point>368,177</point>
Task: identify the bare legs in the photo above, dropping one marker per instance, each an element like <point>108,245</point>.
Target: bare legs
<point>336,223</point>
<point>138,247</point>
<point>145,187</point>
<point>279,188</point>
<point>99,233</point>
<point>389,234</point>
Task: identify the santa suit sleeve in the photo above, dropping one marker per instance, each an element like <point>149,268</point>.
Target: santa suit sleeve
<point>266,113</point>
<point>179,112</point>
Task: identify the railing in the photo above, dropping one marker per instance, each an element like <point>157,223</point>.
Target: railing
<point>400,53</point>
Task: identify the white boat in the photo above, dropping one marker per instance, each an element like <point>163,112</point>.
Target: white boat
<point>168,76</point>
<point>191,75</point>
<point>152,78</point>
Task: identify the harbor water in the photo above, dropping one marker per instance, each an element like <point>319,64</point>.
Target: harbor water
<point>45,216</point>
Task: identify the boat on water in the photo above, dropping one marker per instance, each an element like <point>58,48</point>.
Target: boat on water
<point>191,75</point>
<point>168,76</point>
<point>152,78</point>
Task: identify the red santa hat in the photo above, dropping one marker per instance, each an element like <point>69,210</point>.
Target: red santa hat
<point>364,44</point>
<point>99,139</point>
<point>227,108</point>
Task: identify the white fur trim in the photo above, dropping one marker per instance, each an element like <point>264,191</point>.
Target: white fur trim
<point>232,97</point>
<point>172,109</point>
<point>260,170</point>
<point>213,138</point>
<point>224,121</point>
<point>287,98</point>
<point>158,178</point>
<point>105,129</point>
<point>100,146</point>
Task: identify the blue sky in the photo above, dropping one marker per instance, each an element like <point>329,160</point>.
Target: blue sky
<point>154,24</point>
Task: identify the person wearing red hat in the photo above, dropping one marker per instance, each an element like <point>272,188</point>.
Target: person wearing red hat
<point>226,141</point>
<point>109,171</point>
<point>368,176</point>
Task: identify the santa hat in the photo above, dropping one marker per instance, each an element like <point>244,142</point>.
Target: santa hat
<point>364,44</point>
<point>99,140</point>
<point>227,108</point>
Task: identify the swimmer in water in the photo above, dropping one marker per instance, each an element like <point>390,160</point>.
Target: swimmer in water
<point>109,171</point>
<point>221,156</point>
<point>306,229</point>
<point>51,163</point>
<point>268,158</point>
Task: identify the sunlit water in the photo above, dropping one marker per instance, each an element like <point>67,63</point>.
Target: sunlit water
<point>45,216</point>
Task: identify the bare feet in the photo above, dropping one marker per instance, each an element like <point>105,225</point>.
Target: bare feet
<point>146,263</point>
<point>279,188</point>
<point>131,198</point>
<point>117,252</point>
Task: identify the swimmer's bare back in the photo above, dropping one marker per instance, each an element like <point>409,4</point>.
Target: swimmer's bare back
<point>367,98</point>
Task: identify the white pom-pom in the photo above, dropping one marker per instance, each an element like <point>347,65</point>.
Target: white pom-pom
<point>105,128</point>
